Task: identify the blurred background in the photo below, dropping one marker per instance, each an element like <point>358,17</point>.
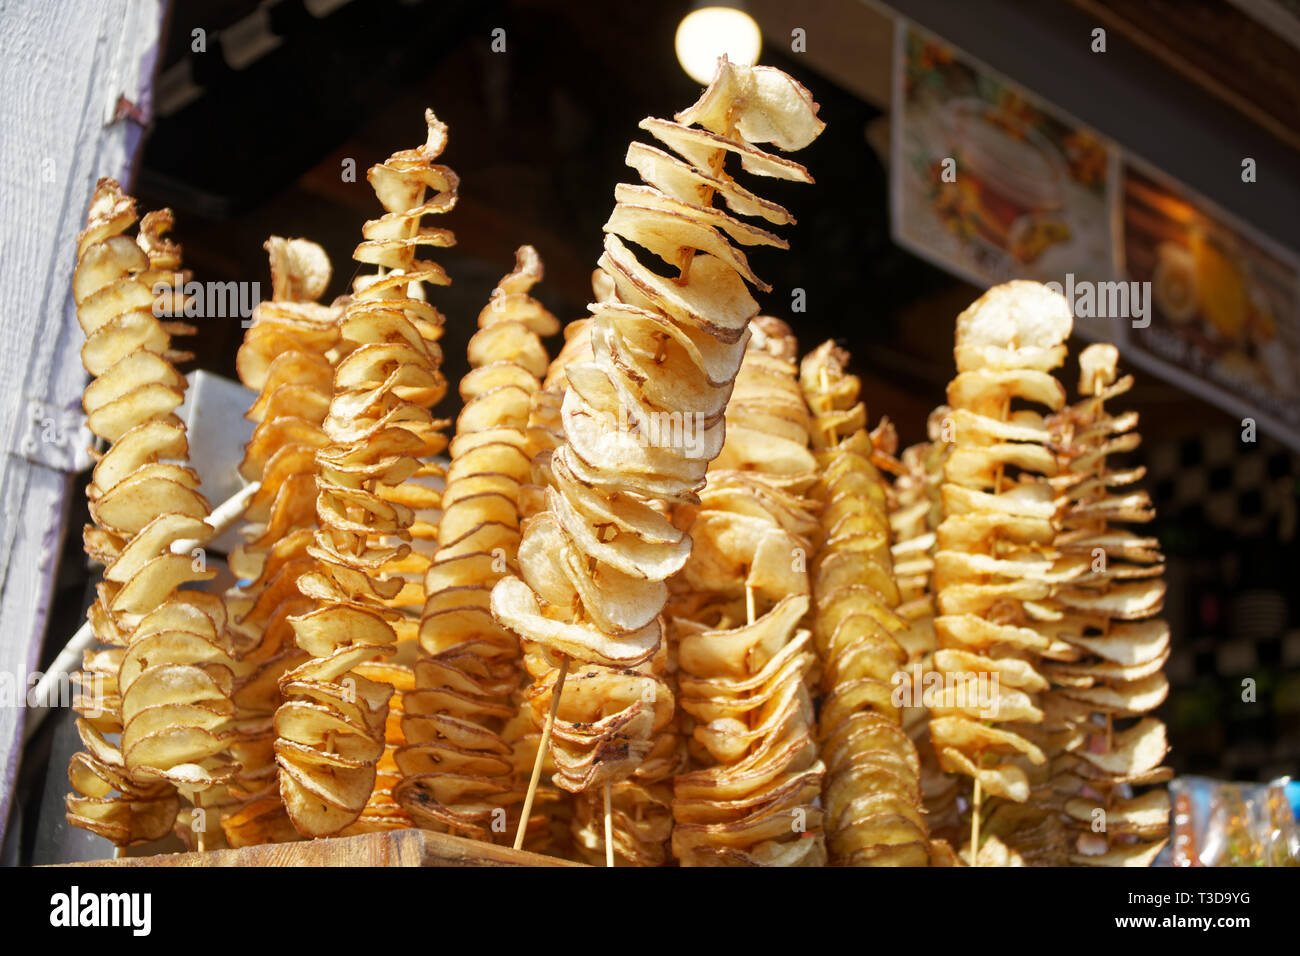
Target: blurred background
<point>257,106</point>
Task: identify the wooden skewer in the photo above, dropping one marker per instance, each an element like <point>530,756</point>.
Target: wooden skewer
<point>716,164</point>
<point>975,819</point>
<point>119,852</point>
<point>541,754</point>
<point>824,380</point>
<point>201,836</point>
<point>609,829</point>
<point>68,660</point>
<point>223,517</point>
<point>749,654</point>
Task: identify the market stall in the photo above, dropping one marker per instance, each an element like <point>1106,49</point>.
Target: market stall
<point>779,458</point>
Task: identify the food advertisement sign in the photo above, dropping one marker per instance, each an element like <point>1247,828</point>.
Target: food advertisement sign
<point>991,184</point>
<point>1225,315</point>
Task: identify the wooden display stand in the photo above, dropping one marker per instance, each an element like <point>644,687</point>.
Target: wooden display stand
<point>396,848</point>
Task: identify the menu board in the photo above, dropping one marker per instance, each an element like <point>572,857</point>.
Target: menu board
<point>991,183</point>
<point>1225,315</point>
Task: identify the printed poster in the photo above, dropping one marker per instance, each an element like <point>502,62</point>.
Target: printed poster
<point>992,184</point>
<point>1225,315</point>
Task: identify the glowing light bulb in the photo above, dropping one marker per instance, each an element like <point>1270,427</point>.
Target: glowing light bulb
<point>705,34</point>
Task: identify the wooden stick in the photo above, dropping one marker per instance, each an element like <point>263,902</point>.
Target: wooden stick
<point>541,754</point>
<point>609,829</point>
<point>223,518</point>
<point>119,852</point>
<point>824,381</point>
<point>44,695</point>
<point>716,165</point>
<point>749,619</point>
<point>200,836</point>
<point>975,819</point>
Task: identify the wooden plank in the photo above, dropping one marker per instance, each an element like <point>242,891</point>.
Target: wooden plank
<point>1224,51</point>
<point>398,848</point>
<point>77,84</point>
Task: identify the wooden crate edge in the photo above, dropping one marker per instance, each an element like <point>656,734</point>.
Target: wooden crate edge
<point>408,848</point>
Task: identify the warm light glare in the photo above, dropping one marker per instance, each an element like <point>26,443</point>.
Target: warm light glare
<point>704,35</point>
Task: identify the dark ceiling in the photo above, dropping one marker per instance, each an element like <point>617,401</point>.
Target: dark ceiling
<point>538,135</point>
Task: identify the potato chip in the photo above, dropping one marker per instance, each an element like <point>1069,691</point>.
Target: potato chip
<point>330,742</point>
<point>683,181</point>
<point>1122,854</point>
<point>699,146</point>
<point>1145,815</point>
<point>1018,324</point>
<point>1124,698</point>
<point>165,698</point>
<point>513,605</point>
<point>713,299</point>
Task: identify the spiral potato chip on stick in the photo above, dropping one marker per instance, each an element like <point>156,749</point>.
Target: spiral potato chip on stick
<point>1103,692</point>
<point>638,822</point>
<point>330,729</point>
<point>382,811</point>
<point>992,570</point>
<point>751,799</point>
<point>915,510</point>
<point>665,351</point>
<point>163,684</point>
<point>287,357</point>
<point>550,820</point>
<point>872,791</point>
<point>456,768</point>
<point>421,493</point>
<point>637,815</point>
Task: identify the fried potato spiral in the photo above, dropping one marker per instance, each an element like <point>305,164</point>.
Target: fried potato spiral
<point>993,569</point>
<point>751,798</point>
<point>287,357</point>
<point>1105,687</point>
<point>872,792</point>
<point>456,767</point>
<point>330,729</point>
<point>643,416</point>
<point>163,684</point>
